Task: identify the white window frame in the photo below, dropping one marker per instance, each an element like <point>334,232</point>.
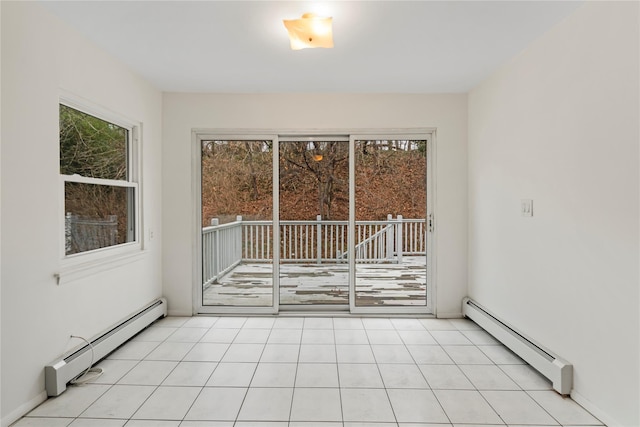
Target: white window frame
<point>75,266</point>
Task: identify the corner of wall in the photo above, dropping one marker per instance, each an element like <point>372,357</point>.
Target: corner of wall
<point>23,409</point>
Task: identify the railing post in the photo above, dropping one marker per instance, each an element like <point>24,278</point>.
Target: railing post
<point>399,238</point>
<point>390,239</point>
<point>238,240</point>
<point>319,239</point>
<point>216,249</point>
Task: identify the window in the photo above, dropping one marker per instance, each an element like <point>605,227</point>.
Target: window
<point>100,188</point>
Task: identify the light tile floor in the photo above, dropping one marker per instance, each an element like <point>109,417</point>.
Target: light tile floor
<point>311,372</point>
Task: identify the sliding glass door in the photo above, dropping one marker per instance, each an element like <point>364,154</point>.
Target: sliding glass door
<point>390,205</point>
<point>314,214</point>
<point>237,225</point>
<point>295,222</point>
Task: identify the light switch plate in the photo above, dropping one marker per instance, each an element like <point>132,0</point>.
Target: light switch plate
<point>526,207</point>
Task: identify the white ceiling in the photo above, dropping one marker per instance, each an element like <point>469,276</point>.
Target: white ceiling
<point>380,46</point>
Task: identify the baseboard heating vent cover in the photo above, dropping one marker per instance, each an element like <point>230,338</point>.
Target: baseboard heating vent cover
<point>558,371</point>
<point>59,372</point>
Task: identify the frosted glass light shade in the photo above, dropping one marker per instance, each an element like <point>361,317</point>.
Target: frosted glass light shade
<point>309,31</point>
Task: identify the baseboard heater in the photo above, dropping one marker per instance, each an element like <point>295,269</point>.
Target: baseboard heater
<point>558,371</point>
<point>58,373</point>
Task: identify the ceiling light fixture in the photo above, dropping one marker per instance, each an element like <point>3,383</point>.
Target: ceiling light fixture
<point>309,31</point>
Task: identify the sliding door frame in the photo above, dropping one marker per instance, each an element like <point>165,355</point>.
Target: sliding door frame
<point>310,137</point>
<point>198,136</point>
<point>352,135</point>
<point>429,307</point>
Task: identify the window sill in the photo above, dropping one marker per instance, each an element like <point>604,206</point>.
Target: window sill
<point>75,269</point>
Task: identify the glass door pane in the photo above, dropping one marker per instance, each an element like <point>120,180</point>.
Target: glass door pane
<point>314,213</point>
<point>390,223</point>
<point>237,223</point>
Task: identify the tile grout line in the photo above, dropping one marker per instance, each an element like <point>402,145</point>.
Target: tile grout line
<point>254,372</point>
<point>545,409</point>
<point>167,376</point>
<point>207,380</point>
<point>484,397</point>
<point>432,390</point>
<point>221,361</point>
<point>414,359</point>
<point>471,382</point>
<point>395,417</point>
<point>474,385</point>
<point>335,350</point>
<point>111,386</point>
<point>295,376</point>
<point>182,360</point>
<point>422,373</point>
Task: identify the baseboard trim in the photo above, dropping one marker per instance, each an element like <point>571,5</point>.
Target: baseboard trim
<point>605,418</point>
<point>453,315</point>
<point>23,409</point>
<point>179,313</point>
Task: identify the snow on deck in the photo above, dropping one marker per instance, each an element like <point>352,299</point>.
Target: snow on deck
<point>376,284</point>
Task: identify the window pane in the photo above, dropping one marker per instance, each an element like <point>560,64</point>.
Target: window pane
<point>237,223</point>
<point>91,147</point>
<point>97,216</point>
<point>390,234</point>
<point>314,222</point>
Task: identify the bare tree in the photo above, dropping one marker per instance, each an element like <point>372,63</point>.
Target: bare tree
<point>326,162</point>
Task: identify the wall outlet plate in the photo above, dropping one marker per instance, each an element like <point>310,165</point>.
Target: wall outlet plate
<point>526,207</point>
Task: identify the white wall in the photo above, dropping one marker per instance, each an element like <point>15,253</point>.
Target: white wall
<point>41,56</point>
<point>183,112</point>
<point>559,124</point>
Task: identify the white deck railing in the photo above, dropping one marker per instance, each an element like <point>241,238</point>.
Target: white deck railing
<point>225,246</point>
<point>313,241</point>
<point>413,236</point>
<point>221,249</point>
<point>377,242</point>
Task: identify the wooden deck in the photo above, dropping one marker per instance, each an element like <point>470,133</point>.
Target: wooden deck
<point>376,284</point>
